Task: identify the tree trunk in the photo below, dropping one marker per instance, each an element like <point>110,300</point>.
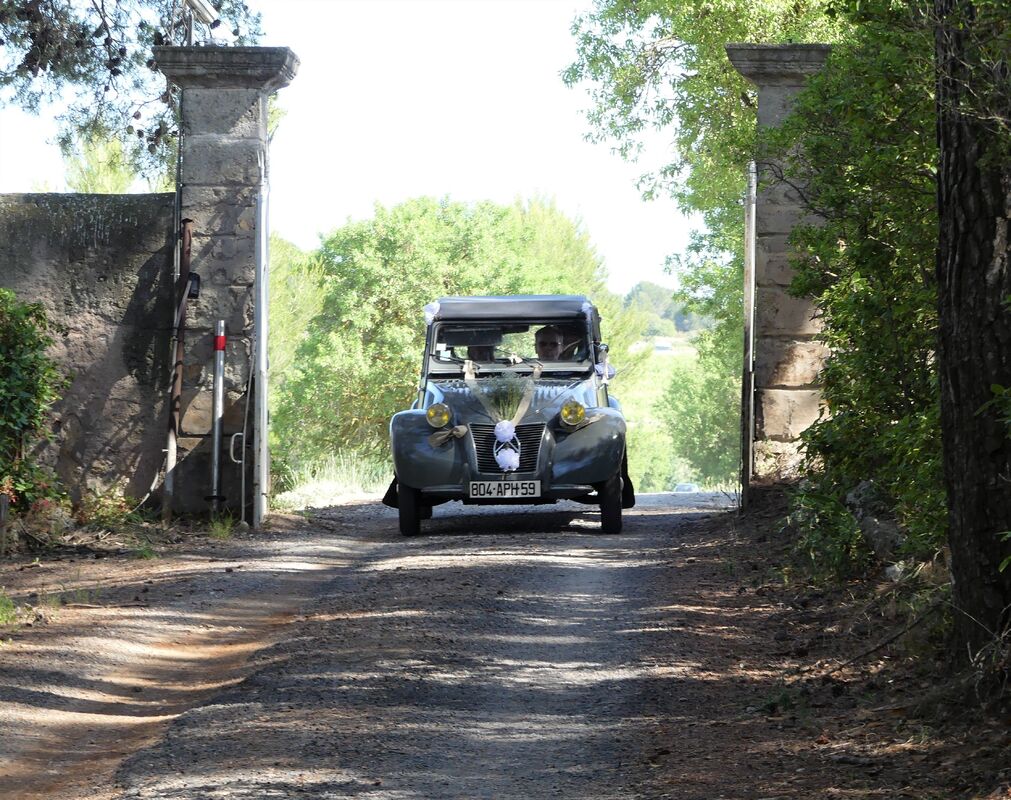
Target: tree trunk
<point>974,285</point>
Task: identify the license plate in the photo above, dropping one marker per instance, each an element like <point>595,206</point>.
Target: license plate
<point>501,490</point>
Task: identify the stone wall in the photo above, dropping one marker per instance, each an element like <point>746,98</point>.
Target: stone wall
<point>102,267</point>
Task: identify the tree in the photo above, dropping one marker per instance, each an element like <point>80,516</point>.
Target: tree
<point>97,56</point>
<point>296,297</point>
<point>358,361</point>
<point>653,299</point>
<point>973,57</point>
<point>861,142</point>
<point>663,66</point>
<point>99,167</point>
<point>695,408</point>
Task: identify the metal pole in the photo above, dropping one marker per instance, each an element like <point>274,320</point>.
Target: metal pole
<point>261,452</point>
<point>218,414</point>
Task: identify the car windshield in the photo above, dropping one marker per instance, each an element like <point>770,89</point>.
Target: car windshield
<point>550,342</point>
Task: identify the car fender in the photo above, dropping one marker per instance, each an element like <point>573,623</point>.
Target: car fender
<point>593,453</point>
<point>415,461</point>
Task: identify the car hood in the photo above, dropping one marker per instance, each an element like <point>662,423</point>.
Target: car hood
<point>548,397</point>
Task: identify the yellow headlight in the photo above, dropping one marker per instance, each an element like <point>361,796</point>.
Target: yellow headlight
<point>438,415</point>
<point>573,412</point>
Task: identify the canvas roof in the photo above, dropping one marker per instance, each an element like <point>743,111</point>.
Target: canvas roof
<point>518,307</point>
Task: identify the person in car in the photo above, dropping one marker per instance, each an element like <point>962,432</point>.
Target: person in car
<point>548,342</point>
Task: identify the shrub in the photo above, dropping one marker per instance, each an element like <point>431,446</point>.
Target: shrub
<point>29,385</point>
<point>829,541</point>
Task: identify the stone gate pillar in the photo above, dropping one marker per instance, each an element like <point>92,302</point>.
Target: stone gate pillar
<point>787,356</point>
<point>223,171</point>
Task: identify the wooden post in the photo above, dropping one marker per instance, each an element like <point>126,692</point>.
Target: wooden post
<point>175,400</point>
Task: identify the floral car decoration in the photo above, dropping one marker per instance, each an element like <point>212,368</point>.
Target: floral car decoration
<point>513,406</point>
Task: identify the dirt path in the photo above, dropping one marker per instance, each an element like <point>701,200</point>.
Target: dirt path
<point>502,655</point>
<point>123,646</point>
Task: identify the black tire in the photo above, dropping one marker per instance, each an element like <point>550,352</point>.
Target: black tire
<point>627,489</point>
<point>410,508</point>
<point>610,505</point>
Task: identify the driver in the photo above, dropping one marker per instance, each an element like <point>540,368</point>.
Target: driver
<point>548,343</point>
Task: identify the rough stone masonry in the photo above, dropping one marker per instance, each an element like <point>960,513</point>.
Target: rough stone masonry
<point>102,265</point>
<point>788,356</point>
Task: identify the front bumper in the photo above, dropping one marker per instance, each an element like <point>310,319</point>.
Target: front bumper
<point>439,494</point>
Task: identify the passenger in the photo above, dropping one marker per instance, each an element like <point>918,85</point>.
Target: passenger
<point>548,343</point>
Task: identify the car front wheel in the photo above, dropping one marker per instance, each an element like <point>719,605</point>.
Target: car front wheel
<point>409,506</point>
<point>610,505</point>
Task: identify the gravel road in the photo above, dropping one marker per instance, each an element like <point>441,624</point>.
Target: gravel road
<point>505,654</point>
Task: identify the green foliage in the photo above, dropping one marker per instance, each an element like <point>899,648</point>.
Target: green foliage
<point>222,527</point>
<point>862,140</point>
<point>29,385</point>
<point>653,463</point>
<point>659,65</point>
<point>829,541</point>
<point>358,361</point>
<point>666,316</point>
<point>99,166</point>
<point>1005,536</point>
<point>97,57</point>
<point>700,410</point>
<point>296,298</point>
<point>8,611</point>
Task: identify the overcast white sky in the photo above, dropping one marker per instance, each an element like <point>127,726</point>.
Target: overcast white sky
<point>449,98</point>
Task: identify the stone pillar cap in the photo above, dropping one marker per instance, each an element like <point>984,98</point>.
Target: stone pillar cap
<point>267,68</point>
<point>777,63</point>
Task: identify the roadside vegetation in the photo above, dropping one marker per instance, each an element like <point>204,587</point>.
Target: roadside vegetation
<point>908,465</point>
<point>29,385</point>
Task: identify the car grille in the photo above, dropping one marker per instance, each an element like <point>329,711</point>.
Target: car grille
<point>529,437</point>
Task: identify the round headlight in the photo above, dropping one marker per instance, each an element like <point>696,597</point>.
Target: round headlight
<point>438,415</point>
<point>573,412</point>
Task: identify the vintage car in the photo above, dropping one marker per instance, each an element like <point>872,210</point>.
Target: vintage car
<point>512,407</point>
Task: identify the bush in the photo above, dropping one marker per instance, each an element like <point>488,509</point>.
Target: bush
<point>829,542</point>
<point>29,385</point>
<point>701,411</point>
<point>862,139</point>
